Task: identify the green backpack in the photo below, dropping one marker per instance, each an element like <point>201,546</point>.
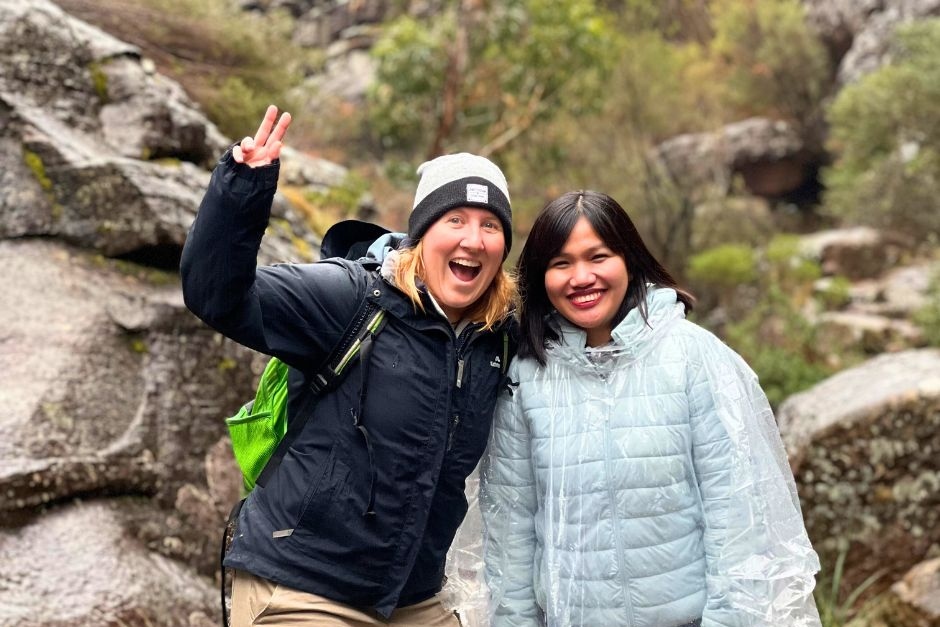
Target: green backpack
<point>261,424</point>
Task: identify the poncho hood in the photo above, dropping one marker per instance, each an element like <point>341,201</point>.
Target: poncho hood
<point>634,336</point>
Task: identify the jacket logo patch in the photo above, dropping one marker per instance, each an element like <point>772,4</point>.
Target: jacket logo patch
<point>496,362</point>
<point>477,193</point>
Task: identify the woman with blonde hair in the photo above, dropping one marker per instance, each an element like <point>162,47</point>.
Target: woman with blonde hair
<point>354,524</point>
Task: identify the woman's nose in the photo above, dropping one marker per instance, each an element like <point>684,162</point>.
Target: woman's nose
<point>472,239</point>
<point>582,275</point>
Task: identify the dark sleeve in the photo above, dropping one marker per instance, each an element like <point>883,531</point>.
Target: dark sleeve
<point>296,312</point>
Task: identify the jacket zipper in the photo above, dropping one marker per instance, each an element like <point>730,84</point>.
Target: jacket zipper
<point>460,373</point>
<point>615,520</point>
<point>460,344</point>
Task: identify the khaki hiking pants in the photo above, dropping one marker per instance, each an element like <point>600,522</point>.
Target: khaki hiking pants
<point>257,601</point>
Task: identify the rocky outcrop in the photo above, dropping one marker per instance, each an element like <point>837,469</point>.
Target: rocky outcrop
<point>919,589</point>
<point>85,79</point>
<point>775,159</point>
<point>854,253</point>
<point>102,153</point>
<point>79,564</point>
<point>112,389</point>
<point>840,331</point>
<point>898,293</point>
<point>770,156</point>
<point>327,23</point>
<point>858,32</point>
<point>863,446</point>
<point>345,31</point>
<point>875,315</point>
<point>115,469</point>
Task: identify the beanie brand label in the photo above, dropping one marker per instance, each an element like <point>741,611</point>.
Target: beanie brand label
<point>477,193</point>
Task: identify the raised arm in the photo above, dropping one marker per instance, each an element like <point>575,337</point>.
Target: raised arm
<point>296,312</point>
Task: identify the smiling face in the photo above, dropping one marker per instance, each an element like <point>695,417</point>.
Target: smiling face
<point>587,282</point>
<point>462,253</point>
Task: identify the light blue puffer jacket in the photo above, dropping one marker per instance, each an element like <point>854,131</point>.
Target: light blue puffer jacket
<point>642,484</point>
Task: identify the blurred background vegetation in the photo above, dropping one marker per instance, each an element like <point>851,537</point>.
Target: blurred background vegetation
<point>569,94</point>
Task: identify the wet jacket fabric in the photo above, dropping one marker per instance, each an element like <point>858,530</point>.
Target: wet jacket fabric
<point>306,528</point>
<point>642,484</point>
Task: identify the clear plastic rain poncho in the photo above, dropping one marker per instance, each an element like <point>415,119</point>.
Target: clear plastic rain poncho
<point>642,484</point>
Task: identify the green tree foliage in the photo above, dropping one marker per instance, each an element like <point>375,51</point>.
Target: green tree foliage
<point>413,59</point>
<point>654,93</point>
<point>655,90</point>
<point>767,59</point>
<point>673,77</point>
<point>483,78</point>
<point>762,294</point>
<point>886,133</point>
<point>724,268</point>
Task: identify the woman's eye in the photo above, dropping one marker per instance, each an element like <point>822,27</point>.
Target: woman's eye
<point>492,226</point>
<point>601,257</point>
<point>558,263</point>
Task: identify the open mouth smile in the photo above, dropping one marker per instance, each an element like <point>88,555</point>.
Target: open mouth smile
<point>585,300</point>
<point>465,269</point>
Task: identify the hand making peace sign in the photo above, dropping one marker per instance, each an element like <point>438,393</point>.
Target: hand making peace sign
<point>266,145</point>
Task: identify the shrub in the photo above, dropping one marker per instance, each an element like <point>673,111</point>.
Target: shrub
<point>787,267</point>
<point>780,345</point>
<point>835,293</point>
<point>928,316</point>
<point>724,267</point>
<point>765,322</point>
<point>885,134</point>
<point>769,59</point>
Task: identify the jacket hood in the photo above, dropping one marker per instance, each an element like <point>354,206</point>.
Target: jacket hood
<point>633,336</point>
<point>380,249</point>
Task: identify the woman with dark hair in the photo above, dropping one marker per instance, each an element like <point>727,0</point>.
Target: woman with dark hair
<point>636,476</point>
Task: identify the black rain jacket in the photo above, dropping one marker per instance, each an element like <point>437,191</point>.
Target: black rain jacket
<point>429,401</point>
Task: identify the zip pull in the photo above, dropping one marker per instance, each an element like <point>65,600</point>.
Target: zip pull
<point>459,372</point>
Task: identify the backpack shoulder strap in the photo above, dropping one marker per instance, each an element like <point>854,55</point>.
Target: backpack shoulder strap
<point>356,341</point>
<point>368,322</point>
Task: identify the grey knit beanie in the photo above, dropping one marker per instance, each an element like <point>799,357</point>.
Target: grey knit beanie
<point>460,180</point>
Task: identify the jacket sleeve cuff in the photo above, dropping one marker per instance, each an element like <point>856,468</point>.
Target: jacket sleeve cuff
<point>264,177</point>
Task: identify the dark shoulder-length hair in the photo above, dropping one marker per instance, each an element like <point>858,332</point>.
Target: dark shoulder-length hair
<point>546,239</point>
